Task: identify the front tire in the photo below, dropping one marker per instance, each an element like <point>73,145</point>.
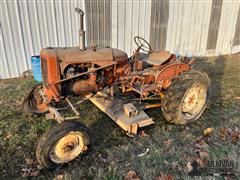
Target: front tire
<point>62,144</point>
<point>33,102</point>
<point>186,98</point>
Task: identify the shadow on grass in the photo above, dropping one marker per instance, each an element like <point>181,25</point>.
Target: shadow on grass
<point>215,70</point>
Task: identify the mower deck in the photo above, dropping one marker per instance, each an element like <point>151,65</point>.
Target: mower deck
<point>116,110</point>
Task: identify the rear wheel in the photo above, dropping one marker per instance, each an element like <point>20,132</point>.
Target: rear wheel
<point>186,98</point>
<point>33,103</point>
<point>62,144</point>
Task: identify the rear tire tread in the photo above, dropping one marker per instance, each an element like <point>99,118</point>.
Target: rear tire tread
<point>173,95</point>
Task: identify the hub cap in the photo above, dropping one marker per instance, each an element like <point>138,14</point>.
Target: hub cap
<point>67,148</point>
<point>194,101</point>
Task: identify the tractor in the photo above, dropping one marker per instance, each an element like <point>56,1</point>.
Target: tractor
<point>121,86</point>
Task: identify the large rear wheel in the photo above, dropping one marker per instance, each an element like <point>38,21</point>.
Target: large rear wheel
<point>62,144</point>
<point>186,98</point>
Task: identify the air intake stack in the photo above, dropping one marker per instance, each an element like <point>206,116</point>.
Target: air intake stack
<point>81,31</point>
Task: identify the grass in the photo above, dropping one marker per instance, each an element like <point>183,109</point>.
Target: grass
<point>112,153</point>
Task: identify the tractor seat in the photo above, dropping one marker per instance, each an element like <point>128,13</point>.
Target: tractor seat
<point>157,58</point>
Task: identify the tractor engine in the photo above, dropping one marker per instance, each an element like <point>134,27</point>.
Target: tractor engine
<point>80,70</point>
<point>91,82</point>
<point>71,71</point>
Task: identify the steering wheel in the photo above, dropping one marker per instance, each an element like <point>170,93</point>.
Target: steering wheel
<point>142,44</point>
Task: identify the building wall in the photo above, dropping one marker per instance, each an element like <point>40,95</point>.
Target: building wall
<point>26,26</point>
<point>193,28</point>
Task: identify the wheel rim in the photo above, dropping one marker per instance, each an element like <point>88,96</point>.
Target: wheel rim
<point>67,148</point>
<point>194,101</point>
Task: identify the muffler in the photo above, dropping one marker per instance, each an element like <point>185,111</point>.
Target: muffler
<point>81,31</point>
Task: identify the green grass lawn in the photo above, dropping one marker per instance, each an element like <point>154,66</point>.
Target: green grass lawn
<point>114,155</point>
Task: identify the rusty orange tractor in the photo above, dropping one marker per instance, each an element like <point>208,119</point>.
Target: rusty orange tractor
<point>107,76</point>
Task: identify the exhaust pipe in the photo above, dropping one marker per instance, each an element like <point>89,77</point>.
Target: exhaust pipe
<point>81,31</point>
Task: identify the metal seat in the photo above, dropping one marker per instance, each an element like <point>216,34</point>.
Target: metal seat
<point>157,58</point>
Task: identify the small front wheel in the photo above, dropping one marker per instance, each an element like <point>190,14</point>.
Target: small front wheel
<point>62,144</point>
<point>33,102</point>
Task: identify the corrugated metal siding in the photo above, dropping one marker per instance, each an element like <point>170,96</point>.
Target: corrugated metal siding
<point>99,22</point>
<point>236,40</point>
<point>185,25</point>
<point>28,26</point>
<point>214,24</point>
<point>188,30</point>
<point>179,26</point>
<point>130,18</point>
<point>159,24</point>
<point>188,27</point>
<point>228,22</point>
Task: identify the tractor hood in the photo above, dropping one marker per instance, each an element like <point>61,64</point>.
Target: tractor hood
<point>72,55</point>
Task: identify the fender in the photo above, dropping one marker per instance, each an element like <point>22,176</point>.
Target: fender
<point>169,72</point>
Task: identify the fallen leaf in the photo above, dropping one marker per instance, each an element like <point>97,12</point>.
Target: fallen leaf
<point>199,139</point>
<point>174,164</point>
<point>165,163</point>
<point>131,175</point>
<point>143,154</point>
<point>202,145</point>
<point>208,131</point>
<point>223,133</point>
<point>58,177</point>
<point>35,173</point>
<point>163,176</point>
<point>143,134</point>
<point>229,131</point>
<point>167,142</point>
<point>180,169</point>
<point>24,174</point>
<point>168,128</point>
<point>201,162</point>
<point>235,136</point>
<point>203,155</point>
<point>30,168</point>
<point>7,136</point>
<point>189,167</point>
<point>29,161</point>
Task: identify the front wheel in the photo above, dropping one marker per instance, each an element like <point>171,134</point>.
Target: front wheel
<point>33,102</point>
<point>62,144</point>
<point>186,98</point>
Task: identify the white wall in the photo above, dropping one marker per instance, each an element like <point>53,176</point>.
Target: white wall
<point>28,26</point>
